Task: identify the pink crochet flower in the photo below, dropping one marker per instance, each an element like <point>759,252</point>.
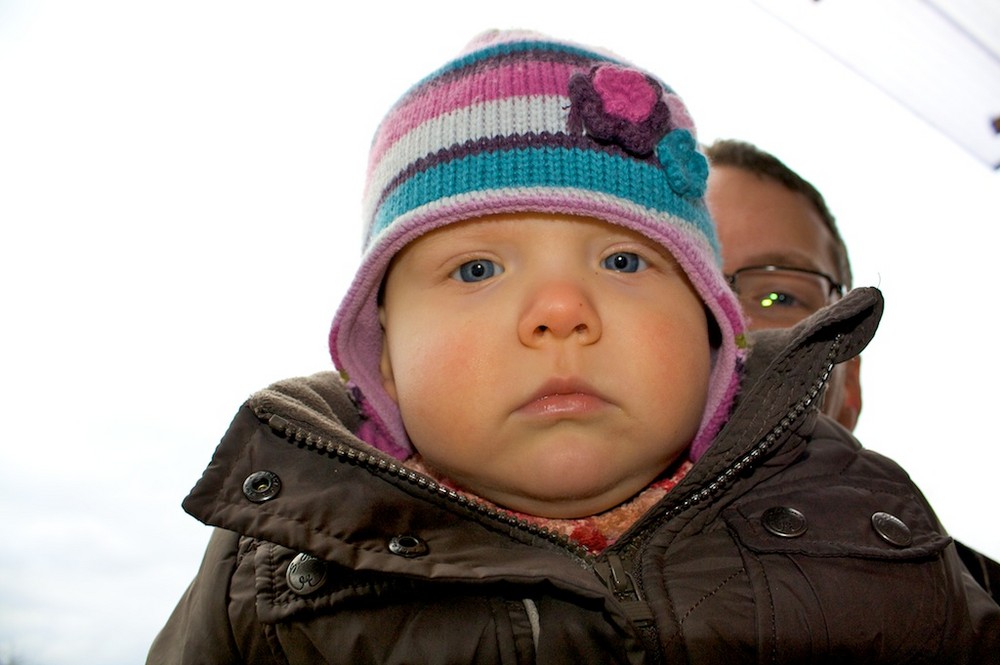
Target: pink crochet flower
<point>625,93</point>
<point>619,105</point>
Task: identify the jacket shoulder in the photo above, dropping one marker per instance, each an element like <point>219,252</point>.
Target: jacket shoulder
<point>849,525</point>
<point>836,550</point>
<point>838,499</point>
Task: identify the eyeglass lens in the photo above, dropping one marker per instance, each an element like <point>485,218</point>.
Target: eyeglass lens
<point>780,298</point>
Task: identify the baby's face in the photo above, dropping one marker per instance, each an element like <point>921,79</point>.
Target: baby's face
<point>552,364</point>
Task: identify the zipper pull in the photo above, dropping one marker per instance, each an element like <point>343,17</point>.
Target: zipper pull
<point>278,424</point>
<point>613,573</point>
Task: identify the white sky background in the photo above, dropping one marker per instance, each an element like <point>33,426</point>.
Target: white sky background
<point>179,204</point>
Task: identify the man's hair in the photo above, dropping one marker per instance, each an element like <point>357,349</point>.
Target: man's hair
<point>746,156</point>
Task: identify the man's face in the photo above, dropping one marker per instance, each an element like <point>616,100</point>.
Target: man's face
<point>552,364</point>
<point>762,222</point>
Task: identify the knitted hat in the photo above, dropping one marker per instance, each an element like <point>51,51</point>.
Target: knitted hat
<point>524,123</point>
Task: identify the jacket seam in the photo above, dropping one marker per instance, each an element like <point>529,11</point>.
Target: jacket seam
<point>771,610</point>
<point>708,595</point>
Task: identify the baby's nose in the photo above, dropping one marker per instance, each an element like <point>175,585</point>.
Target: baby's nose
<point>559,310</point>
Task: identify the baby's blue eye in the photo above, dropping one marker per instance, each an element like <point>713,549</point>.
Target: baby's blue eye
<point>625,262</point>
<point>476,271</point>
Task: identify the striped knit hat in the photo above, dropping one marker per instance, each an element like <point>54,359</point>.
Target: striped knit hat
<point>524,123</point>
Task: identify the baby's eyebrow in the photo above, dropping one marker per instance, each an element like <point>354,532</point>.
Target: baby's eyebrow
<point>655,247</point>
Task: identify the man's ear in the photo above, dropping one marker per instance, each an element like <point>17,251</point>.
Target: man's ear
<point>385,363</point>
<point>850,408</point>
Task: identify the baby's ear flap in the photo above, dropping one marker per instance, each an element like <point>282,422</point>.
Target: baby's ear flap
<point>385,363</point>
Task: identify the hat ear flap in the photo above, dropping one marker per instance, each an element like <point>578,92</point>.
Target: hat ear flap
<point>385,362</point>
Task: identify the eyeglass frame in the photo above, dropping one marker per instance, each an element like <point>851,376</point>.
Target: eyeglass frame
<point>835,286</point>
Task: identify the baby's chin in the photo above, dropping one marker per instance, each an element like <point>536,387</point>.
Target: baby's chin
<point>562,502</point>
<point>571,480</point>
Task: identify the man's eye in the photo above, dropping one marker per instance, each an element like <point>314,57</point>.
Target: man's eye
<point>625,262</point>
<point>476,271</point>
<point>778,299</point>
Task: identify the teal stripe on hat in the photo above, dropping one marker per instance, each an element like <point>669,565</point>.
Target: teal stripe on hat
<point>639,182</point>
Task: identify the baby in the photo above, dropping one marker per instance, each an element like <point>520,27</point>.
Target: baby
<point>538,454</point>
<point>534,313</point>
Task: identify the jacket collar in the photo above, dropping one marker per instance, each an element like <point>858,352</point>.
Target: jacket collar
<point>786,371</point>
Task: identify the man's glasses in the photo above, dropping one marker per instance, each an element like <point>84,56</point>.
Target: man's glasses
<point>780,297</point>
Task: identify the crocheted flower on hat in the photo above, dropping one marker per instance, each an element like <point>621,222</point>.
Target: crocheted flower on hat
<point>686,168</point>
<point>615,104</point>
<point>619,105</point>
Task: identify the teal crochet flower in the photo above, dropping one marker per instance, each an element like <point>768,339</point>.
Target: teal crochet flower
<point>686,168</point>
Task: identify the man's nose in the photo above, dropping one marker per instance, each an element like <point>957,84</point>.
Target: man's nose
<point>559,310</point>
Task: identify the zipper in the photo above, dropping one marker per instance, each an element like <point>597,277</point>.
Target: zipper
<point>616,575</point>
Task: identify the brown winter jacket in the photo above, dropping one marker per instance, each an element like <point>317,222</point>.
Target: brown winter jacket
<point>787,542</point>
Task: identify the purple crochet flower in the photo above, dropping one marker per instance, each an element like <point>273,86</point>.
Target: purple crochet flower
<point>619,105</point>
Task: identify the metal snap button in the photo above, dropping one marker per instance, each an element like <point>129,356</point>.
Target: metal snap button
<point>408,546</point>
<point>892,529</point>
<point>784,522</point>
<point>261,486</point>
<point>305,574</point>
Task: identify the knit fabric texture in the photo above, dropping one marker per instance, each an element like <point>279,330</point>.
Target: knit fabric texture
<point>520,122</point>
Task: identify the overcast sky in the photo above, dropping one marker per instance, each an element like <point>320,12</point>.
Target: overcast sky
<point>179,204</point>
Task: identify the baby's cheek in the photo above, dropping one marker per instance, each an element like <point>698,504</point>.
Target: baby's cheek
<point>444,398</point>
<point>440,363</point>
